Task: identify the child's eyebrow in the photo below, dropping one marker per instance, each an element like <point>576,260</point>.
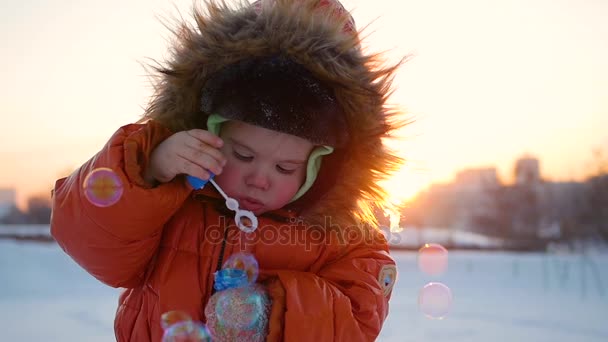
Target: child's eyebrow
<point>290,161</point>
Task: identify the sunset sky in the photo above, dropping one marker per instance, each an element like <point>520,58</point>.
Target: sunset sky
<point>487,82</point>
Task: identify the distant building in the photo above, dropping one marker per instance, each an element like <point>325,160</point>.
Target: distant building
<point>527,171</point>
<point>461,204</point>
<point>540,208</point>
<point>475,190</point>
<point>477,180</point>
<point>529,209</point>
<point>8,200</point>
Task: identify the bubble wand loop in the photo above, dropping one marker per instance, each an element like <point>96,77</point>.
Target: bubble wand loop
<point>231,204</point>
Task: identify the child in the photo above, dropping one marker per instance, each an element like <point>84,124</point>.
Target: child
<point>300,113</point>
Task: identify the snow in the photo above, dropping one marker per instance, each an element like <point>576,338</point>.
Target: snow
<point>505,297</point>
<point>45,296</point>
<point>22,231</point>
<point>414,238</point>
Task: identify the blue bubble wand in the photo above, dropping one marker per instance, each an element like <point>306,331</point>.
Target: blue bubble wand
<point>240,215</point>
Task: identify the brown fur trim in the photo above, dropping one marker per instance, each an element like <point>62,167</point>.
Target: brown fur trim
<point>361,83</point>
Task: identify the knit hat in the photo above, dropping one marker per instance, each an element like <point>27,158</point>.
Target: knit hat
<point>278,94</point>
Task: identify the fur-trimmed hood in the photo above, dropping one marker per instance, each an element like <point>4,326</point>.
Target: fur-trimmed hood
<point>347,186</point>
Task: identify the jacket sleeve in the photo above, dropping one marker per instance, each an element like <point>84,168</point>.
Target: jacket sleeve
<point>347,300</point>
<point>116,243</point>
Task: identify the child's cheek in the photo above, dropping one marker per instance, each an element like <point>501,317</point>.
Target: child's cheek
<point>229,179</point>
<point>285,192</point>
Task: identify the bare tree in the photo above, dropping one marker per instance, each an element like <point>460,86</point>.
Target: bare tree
<point>596,214</point>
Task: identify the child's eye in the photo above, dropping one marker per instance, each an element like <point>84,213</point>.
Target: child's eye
<point>284,170</point>
<point>241,157</point>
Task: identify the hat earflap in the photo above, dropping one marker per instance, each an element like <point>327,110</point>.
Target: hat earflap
<point>214,122</point>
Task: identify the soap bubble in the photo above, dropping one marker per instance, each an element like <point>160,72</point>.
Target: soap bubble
<point>435,300</point>
<point>178,326</point>
<point>245,262</point>
<point>102,187</point>
<point>433,259</point>
<point>187,332</point>
<point>241,308</point>
<point>172,317</point>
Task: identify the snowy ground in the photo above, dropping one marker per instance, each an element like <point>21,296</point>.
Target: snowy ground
<point>45,296</point>
<point>506,297</point>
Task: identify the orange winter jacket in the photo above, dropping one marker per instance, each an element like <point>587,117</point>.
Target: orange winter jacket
<point>329,276</point>
<point>162,245</point>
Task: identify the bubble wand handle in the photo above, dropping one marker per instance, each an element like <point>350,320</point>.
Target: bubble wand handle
<point>231,204</point>
<point>198,183</point>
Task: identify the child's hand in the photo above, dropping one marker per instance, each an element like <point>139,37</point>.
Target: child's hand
<point>194,152</point>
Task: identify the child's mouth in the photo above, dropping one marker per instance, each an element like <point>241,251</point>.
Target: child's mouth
<point>250,204</point>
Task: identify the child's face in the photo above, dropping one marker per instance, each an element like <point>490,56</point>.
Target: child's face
<point>264,168</point>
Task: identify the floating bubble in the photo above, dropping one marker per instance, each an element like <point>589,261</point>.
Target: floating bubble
<point>170,318</point>
<point>435,300</point>
<point>187,331</point>
<point>179,327</point>
<point>243,308</point>
<point>433,259</point>
<point>245,262</point>
<point>102,187</point>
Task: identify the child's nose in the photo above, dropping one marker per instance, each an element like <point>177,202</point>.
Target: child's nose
<point>258,179</point>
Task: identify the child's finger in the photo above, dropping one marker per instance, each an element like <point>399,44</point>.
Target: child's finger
<point>206,137</point>
<point>193,169</point>
<point>201,147</point>
<point>202,159</point>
